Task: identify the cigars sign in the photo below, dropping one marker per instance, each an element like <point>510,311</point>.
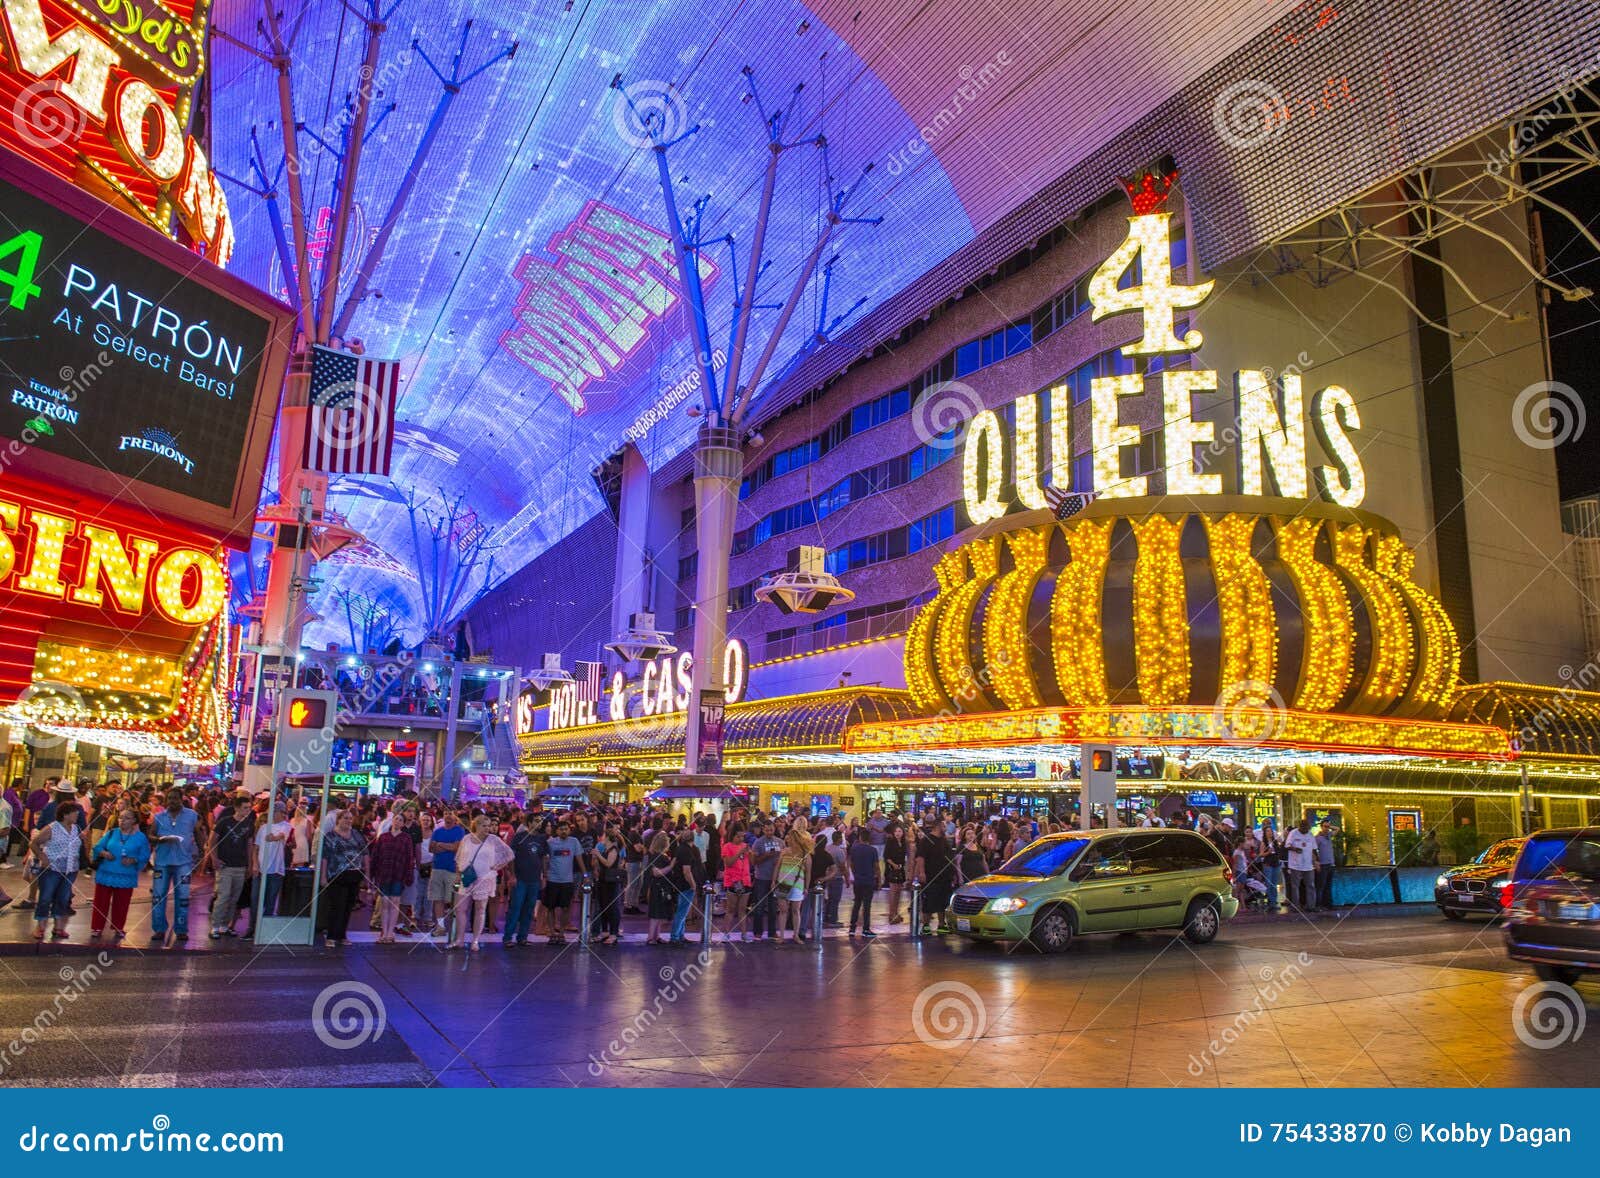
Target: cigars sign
<point>101,92</point>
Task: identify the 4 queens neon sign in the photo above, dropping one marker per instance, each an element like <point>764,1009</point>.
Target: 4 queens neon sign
<point>1268,434</point>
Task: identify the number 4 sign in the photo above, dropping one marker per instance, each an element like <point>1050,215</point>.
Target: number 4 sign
<point>20,280</point>
<point>1149,242</point>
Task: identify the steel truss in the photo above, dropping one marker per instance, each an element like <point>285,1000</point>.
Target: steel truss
<point>1522,159</point>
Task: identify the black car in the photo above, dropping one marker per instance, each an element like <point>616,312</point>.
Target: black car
<point>1482,887</point>
<point>1554,921</point>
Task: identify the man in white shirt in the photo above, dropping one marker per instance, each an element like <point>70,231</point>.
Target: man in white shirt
<point>1302,846</point>
<point>267,863</point>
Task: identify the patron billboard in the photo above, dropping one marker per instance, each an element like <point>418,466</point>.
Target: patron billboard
<point>132,366</point>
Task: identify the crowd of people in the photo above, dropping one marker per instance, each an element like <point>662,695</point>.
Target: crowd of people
<point>454,874</point>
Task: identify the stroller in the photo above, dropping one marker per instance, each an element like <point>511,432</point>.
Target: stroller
<point>1250,889</point>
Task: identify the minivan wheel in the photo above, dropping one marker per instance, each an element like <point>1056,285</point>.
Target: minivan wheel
<point>1202,922</point>
<point>1567,975</point>
<point>1052,930</point>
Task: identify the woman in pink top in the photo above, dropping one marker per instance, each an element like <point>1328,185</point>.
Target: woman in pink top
<point>736,879</point>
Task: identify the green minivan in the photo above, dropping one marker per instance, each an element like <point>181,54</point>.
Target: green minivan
<point>1100,881</point>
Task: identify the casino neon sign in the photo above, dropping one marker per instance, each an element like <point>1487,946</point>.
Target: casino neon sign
<point>106,89</point>
<point>53,555</point>
<point>1271,412</point>
<point>663,688</point>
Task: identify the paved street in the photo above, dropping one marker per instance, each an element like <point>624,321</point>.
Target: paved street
<point>1375,1002</point>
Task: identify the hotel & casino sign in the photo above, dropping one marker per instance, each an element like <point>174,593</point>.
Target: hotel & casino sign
<point>101,92</point>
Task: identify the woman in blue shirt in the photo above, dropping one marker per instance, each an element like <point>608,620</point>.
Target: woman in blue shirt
<point>119,857</point>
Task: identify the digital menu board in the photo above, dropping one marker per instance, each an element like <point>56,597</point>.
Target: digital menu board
<point>128,365</point>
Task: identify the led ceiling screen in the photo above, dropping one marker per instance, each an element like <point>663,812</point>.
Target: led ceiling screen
<point>529,287</point>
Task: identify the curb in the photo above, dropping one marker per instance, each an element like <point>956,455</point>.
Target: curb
<point>1348,912</point>
<point>243,947</point>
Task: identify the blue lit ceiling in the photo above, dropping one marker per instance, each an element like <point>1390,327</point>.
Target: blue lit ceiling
<point>535,168</point>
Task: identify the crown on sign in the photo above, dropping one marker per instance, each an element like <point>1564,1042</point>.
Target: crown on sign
<point>1149,191</point>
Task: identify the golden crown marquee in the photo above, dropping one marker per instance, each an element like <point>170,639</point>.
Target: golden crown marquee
<point>1271,603</point>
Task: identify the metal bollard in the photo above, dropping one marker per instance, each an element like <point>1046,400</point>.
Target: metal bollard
<point>583,919</point>
<point>915,915</point>
<point>817,899</point>
<point>708,896</point>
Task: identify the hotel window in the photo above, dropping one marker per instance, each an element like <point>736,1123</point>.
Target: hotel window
<point>1108,363</point>
<point>1141,459</point>
<point>1083,471</point>
<point>880,410</point>
<point>688,566</point>
<point>930,530</point>
<point>680,619</point>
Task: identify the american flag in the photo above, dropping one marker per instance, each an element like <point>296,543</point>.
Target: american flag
<point>1065,504</point>
<point>588,680</point>
<point>350,426</point>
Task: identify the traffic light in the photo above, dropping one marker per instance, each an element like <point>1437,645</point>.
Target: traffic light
<point>308,713</point>
<point>306,724</point>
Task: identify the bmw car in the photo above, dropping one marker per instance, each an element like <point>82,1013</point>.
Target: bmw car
<point>1481,887</point>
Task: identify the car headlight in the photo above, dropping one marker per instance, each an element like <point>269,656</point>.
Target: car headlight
<point>1007,904</point>
<point>1499,883</point>
<point>1441,883</point>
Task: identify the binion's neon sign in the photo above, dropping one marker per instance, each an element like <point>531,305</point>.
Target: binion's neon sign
<point>1271,411</point>
<point>101,92</point>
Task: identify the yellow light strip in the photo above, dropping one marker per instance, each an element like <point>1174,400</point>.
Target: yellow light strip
<point>1075,634</point>
<point>1393,642</point>
<point>1249,623</point>
<point>1160,614</point>
<point>1329,638</point>
<point>1186,727</point>
<point>1005,622</point>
